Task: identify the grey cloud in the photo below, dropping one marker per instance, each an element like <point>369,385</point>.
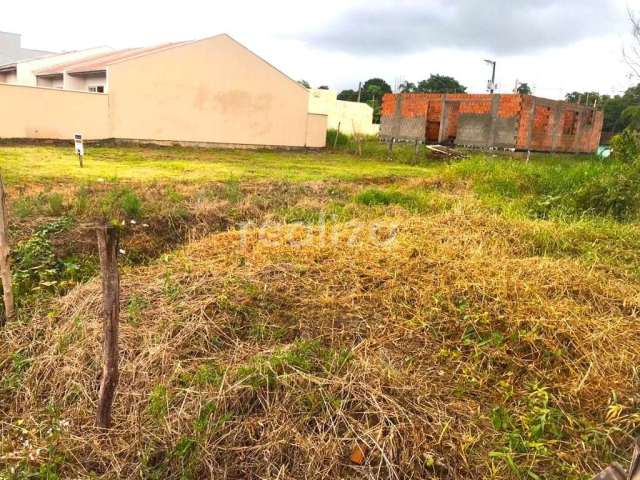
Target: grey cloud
<point>498,26</point>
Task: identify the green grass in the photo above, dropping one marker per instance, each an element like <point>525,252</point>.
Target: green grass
<point>280,325</point>
<point>553,186</point>
<point>20,164</point>
<point>575,206</point>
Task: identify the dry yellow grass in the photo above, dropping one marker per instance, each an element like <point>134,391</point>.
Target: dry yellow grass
<point>444,352</point>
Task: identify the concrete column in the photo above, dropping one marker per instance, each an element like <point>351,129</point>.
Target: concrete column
<point>576,138</point>
<point>444,117</point>
<point>556,131</point>
<point>532,117</point>
<point>398,117</point>
<point>495,105</point>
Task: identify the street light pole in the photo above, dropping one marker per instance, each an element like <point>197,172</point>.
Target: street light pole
<point>492,86</point>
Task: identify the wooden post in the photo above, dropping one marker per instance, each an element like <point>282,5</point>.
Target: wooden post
<point>5,260</point>
<point>335,140</point>
<point>80,159</point>
<point>108,250</point>
<point>390,147</point>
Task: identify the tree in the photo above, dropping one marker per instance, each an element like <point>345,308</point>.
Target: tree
<point>304,83</point>
<point>407,87</point>
<point>620,111</point>
<point>323,87</point>
<point>524,89</point>
<point>348,95</point>
<point>374,88</point>
<point>372,92</point>
<point>631,54</point>
<point>583,97</point>
<point>440,84</point>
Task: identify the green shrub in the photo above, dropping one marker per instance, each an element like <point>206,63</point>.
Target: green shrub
<point>616,195</point>
<point>342,141</point>
<point>82,201</point>
<point>36,268</point>
<point>158,402</point>
<point>626,146</point>
<point>231,190</point>
<point>123,201</point>
<point>56,204</point>
<point>307,356</point>
<point>374,196</point>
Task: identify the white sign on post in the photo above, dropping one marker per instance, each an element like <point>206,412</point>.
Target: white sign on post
<point>77,140</point>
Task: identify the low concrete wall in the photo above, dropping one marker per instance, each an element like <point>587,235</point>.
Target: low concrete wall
<point>31,112</point>
<point>353,117</point>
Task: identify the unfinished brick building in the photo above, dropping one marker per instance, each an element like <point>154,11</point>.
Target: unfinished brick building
<point>512,121</point>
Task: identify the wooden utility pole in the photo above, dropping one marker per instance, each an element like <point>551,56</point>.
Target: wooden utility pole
<point>5,260</point>
<point>108,250</point>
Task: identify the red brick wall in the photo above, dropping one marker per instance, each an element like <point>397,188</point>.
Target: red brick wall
<point>546,130</point>
<point>551,130</point>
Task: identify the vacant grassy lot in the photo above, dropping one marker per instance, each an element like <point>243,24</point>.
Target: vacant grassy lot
<point>283,311</point>
<point>28,164</point>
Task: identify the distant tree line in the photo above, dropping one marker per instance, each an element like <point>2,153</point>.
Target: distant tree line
<point>434,84</point>
<point>371,93</point>
<point>374,89</point>
<point>620,111</point>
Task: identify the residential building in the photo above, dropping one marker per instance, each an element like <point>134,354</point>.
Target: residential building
<point>509,121</point>
<point>90,73</point>
<point>211,92</point>
<point>350,117</point>
<point>22,72</point>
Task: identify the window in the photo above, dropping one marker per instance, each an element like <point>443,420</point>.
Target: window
<point>570,122</point>
<point>590,115</point>
<point>97,89</point>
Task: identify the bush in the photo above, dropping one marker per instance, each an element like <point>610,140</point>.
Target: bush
<point>56,204</point>
<point>120,202</point>
<point>343,140</point>
<point>616,195</point>
<point>36,268</point>
<point>626,146</point>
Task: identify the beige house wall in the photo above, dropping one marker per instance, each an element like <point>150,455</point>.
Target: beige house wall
<point>353,117</point>
<point>213,90</point>
<point>52,114</point>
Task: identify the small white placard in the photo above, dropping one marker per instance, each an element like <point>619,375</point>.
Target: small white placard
<point>77,139</point>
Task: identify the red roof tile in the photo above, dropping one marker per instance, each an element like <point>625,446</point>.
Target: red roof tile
<point>100,62</point>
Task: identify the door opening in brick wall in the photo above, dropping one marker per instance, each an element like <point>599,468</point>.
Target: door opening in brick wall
<point>570,122</point>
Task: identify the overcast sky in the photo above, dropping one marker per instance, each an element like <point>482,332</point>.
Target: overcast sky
<point>554,45</point>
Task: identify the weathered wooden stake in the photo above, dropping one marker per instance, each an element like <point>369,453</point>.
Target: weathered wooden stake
<point>390,147</point>
<point>335,140</point>
<point>108,250</point>
<point>5,260</point>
